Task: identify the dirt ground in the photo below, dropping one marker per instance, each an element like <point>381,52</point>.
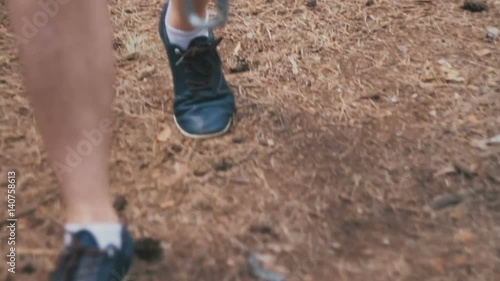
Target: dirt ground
<point>355,153</point>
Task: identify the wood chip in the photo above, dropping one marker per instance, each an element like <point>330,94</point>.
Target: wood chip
<point>463,236</point>
<point>164,135</point>
<point>464,170</point>
<point>444,171</point>
<point>147,72</point>
<point>482,52</point>
<point>167,204</point>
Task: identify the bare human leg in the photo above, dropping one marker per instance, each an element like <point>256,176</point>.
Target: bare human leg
<point>177,18</point>
<point>68,69</point>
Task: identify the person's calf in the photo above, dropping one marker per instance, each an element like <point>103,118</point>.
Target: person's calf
<point>68,68</point>
<point>69,73</point>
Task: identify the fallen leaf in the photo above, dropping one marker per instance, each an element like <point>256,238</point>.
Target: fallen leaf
<point>164,135</point>
<point>451,74</point>
<point>463,236</point>
<point>429,73</point>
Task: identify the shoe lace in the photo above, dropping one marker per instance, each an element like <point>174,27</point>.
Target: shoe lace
<point>198,60</point>
<point>72,261</point>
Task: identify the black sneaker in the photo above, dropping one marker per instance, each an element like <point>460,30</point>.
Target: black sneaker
<point>204,104</point>
<point>84,261</point>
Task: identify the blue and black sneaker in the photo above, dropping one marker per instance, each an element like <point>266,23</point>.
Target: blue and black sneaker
<point>204,104</point>
<point>82,260</point>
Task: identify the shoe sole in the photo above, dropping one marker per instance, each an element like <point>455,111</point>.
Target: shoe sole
<point>205,136</point>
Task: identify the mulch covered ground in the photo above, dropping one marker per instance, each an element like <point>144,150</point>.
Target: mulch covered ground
<point>358,151</point>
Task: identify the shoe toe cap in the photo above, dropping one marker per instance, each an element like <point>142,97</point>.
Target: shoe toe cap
<point>204,123</point>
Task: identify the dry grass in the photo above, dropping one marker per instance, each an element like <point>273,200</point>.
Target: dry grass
<point>345,117</point>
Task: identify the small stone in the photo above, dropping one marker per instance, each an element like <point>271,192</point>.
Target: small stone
<point>164,135</point>
<point>238,139</point>
<point>492,32</point>
<point>386,241</point>
<point>311,3</point>
<point>445,200</point>
<point>475,5</point>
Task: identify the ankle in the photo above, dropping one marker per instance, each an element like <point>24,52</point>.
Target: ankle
<point>178,20</point>
<point>85,215</point>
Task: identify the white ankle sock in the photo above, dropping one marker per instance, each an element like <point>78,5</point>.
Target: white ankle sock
<point>105,233</point>
<point>183,38</point>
